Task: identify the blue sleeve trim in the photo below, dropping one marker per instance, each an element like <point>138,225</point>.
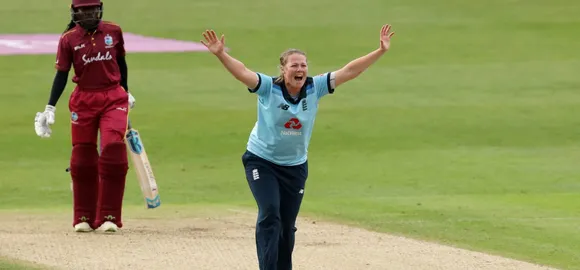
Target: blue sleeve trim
<point>257,86</point>
<point>330,89</point>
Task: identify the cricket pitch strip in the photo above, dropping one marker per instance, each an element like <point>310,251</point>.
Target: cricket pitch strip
<point>225,240</point>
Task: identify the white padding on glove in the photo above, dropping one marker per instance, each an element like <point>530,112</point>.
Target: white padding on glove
<point>131,101</point>
<point>43,120</point>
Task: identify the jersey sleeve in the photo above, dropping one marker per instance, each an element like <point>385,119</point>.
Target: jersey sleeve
<point>264,85</point>
<point>323,84</point>
<point>121,44</point>
<point>64,56</point>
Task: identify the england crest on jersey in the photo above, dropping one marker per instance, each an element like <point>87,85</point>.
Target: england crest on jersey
<point>108,40</point>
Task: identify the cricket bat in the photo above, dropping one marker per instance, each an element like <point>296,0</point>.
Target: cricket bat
<point>142,167</point>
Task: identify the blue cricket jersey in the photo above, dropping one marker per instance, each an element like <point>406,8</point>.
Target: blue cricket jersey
<point>282,132</point>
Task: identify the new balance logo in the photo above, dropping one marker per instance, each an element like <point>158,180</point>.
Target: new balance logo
<point>283,106</point>
<point>304,105</point>
<point>255,174</point>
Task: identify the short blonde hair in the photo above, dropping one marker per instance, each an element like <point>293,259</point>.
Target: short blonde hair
<point>283,59</point>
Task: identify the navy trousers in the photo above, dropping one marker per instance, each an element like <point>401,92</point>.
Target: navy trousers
<point>278,191</point>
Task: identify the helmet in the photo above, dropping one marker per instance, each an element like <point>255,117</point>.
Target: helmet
<point>87,13</point>
<point>86,3</point>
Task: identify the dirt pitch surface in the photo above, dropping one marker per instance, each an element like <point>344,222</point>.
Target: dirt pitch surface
<point>177,239</point>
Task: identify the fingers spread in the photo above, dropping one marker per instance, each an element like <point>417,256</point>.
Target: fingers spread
<point>208,36</point>
<point>211,37</point>
<point>385,30</point>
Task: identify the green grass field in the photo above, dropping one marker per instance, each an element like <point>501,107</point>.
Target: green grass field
<point>466,133</point>
<point>11,264</point>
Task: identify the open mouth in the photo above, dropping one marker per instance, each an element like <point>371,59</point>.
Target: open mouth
<point>298,78</point>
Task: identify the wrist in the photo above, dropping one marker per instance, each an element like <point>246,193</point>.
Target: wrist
<point>50,108</point>
<point>221,55</point>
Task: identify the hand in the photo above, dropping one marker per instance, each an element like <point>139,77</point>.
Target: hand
<point>43,120</point>
<point>214,45</point>
<point>385,39</point>
<point>131,101</point>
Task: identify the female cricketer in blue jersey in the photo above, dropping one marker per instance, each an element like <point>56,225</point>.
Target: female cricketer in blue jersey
<point>275,160</point>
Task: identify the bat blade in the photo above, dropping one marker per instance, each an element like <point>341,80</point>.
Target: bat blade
<point>143,168</point>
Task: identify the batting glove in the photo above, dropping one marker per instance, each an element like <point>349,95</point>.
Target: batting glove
<point>43,120</point>
<point>131,101</point>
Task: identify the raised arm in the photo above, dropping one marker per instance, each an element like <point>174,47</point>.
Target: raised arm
<point>357,66</point>
<point>234,66</point>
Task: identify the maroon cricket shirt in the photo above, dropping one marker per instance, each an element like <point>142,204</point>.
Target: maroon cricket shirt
<point>93,56</point>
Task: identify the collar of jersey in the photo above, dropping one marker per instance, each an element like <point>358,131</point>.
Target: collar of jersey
<point>85,32</point>
<point>301,95</point>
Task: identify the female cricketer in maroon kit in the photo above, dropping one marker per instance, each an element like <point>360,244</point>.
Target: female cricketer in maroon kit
<point>100,101</point>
